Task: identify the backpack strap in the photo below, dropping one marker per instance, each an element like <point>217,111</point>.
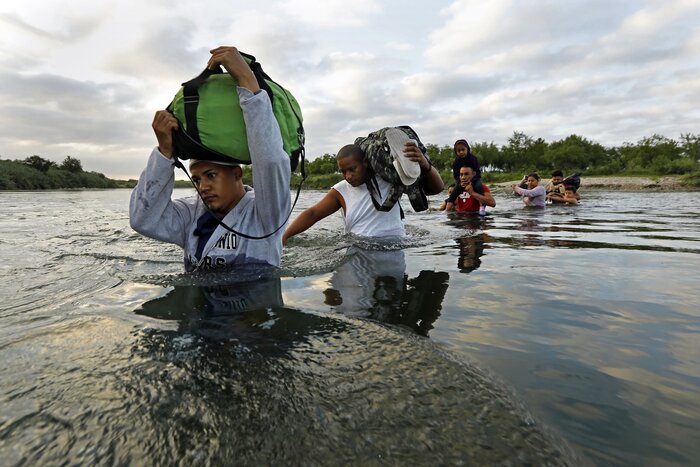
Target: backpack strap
<point>392,197</point>
<point>190,92</point>
<point>260,75</point>
<point>178,163</point>
<point>373,189</point>
<point>263,81</point>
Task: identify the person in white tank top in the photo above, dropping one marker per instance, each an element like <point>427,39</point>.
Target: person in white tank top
<point>352,196</point>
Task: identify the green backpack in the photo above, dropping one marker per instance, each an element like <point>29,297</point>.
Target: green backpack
<point>211,120</point>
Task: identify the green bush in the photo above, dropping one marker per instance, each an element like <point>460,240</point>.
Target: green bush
<point>500,177</point>
<point>676,166</point>
<point>18,175</point>
<point>317,182</point>
<point>691,180</point>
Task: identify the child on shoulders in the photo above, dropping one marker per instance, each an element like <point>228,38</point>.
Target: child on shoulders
<point>465,158</point>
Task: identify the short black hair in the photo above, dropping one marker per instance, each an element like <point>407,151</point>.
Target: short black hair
<point>557,173</point>
<point>350,150</point>
<point>534,175</point>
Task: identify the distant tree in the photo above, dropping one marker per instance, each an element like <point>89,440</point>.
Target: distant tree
<point>522,152</point>
<point>575,153</point>
<point>566,155</point>
<point>440,156</point>
<point>535,153</point>
<point>650,154</point>
<point>690,146</point>
<point>489,155</point>
<point>611,163</point>
<point>71,164</point>
<point>39,163</point>
<point>326,164</point>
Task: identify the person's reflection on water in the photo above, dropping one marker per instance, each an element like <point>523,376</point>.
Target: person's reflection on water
<point>243,378</point>
<point>228,381</point>
<point>374,284</point>
<point>469,220</point>
<point>471,249</point>
<point>531,224</point>
<point>183,302</point>
<point>251,312</point>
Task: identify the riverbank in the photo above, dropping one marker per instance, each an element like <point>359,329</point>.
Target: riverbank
<point>622,183</point>
<point>602,183</point>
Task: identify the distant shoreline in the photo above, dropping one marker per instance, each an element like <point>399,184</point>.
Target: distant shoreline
<point>597,183</point>
<point>621,183</point>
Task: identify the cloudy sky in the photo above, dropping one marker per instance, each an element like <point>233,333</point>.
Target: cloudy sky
<point>84,78</point>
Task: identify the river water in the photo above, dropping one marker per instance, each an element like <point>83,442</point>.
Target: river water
<point>564,336</point>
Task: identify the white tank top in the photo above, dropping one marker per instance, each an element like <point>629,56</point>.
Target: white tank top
<point>362,218</point>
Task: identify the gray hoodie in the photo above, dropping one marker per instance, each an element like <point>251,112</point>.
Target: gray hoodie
<point>154,214</point>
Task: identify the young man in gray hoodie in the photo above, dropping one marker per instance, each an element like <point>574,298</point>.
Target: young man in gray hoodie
<point>186,222</point>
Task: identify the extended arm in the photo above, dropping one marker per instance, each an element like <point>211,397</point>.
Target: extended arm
<point>537,191</point>
<point>324,208</point>
<point>517,190</point>
<point>151,210</point>
<point>271,168</point>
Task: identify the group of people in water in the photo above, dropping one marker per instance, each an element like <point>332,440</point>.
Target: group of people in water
<point>469,194</point>
<point>230,224</point>
<point>557,191</point>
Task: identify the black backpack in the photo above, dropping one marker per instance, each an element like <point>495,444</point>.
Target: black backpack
<point>378,154</point>
<point>573,180</point>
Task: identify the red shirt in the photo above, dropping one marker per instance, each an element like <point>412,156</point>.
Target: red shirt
<point>465,203</point>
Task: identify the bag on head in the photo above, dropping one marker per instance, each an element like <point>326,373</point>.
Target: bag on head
<point>378,154</point>
<point>211,120</point>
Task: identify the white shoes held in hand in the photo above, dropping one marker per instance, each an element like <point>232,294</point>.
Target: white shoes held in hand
<point>408,170</point>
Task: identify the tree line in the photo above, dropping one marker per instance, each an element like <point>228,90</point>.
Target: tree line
<point>37,173</point>
<point>654,155</point>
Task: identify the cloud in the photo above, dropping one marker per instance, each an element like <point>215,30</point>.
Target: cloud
<point>401,46</point>
<point>562,66</point>
<point>71,31</point>
<point>650,35</point>
<point>163,52</point>
<point>351,96</point>
<point>53,116</point>
<point>533,38</point>
<point>610,71</point>
<point>432,87</point>
<point>330,14</point>
<point>284,53</point>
